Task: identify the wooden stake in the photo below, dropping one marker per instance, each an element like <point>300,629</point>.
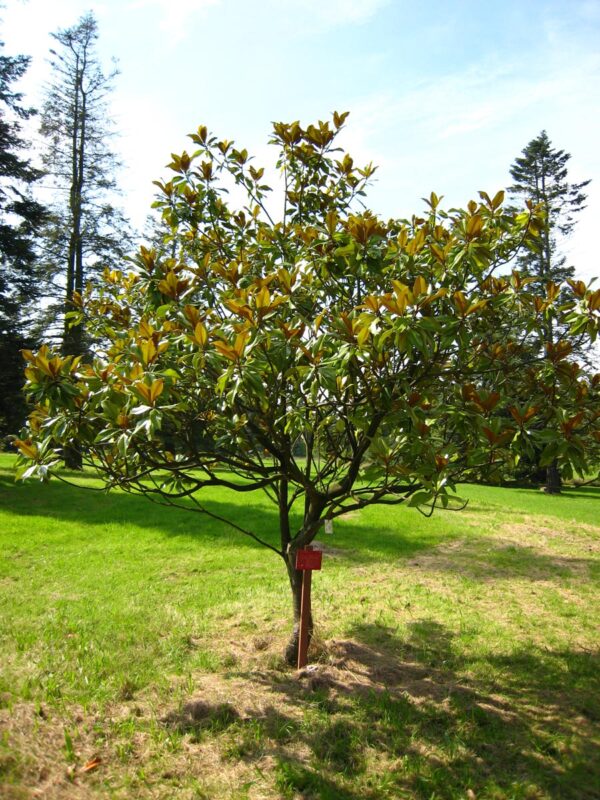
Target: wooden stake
<point>304,618</point>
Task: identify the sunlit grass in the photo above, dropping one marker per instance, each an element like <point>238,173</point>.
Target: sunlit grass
<point>468,643</point>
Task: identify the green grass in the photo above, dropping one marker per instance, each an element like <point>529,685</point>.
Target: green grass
<point>457,656</point>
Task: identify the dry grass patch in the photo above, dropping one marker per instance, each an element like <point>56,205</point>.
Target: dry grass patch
<point>365,721</point>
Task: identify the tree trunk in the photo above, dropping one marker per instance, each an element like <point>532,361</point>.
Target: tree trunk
<point>295,576</point>
<point>312,513</point>
<point>73,334</point>
<point>553,479</point>
<point>72,457</point>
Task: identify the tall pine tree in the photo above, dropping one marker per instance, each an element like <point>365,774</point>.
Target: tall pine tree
<point>20,219</point>
<point>86,232</point>
<point>541,175</point>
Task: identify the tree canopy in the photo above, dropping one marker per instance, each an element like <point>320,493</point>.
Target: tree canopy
<point>323,355</point>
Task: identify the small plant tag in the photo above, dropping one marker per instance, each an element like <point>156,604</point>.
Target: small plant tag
<point>329,526</point>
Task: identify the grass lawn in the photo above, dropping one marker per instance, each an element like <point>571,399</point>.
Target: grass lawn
<point>140,651</point>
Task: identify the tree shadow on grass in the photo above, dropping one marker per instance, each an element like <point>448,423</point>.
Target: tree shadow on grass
<point>548,503</point>
<point>274,732</point>
<point>487,559</point>
<point>479,558</point>
<point>96,508</point>
<point>437,722</point>
<point>198,718</point>
<point>587,492</point>
<point>79,504</point>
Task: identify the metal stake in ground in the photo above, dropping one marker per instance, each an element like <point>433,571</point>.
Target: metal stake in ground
<point>306,560</point>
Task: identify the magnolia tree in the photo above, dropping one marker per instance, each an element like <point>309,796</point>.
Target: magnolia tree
<point>323,356</point>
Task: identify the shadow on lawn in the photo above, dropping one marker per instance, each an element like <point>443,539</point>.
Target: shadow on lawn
<point>80,505</point>
<point>480,558</point>
<point>537,496</point>
<point>526,717</point>
<point>491,559</point>
<point>435,722</point>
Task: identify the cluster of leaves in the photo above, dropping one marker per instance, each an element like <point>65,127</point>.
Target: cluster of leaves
<point>384,353</point>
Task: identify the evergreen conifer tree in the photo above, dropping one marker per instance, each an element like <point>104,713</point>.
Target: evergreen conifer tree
<point>20,218</point>
<point>86,232</point>
<point>541,176</point>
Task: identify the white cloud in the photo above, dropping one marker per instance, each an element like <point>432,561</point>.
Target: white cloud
<point>460,133</point>
<point>335,12</point>
<point>176,15</point>
<point>590,10</point>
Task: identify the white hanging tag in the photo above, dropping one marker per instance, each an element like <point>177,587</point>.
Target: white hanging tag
<point>329,526</point>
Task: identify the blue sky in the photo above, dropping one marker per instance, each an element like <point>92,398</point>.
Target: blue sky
<point>443,94</point>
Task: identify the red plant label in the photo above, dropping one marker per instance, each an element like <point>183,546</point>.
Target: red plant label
<point>309,559</point>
